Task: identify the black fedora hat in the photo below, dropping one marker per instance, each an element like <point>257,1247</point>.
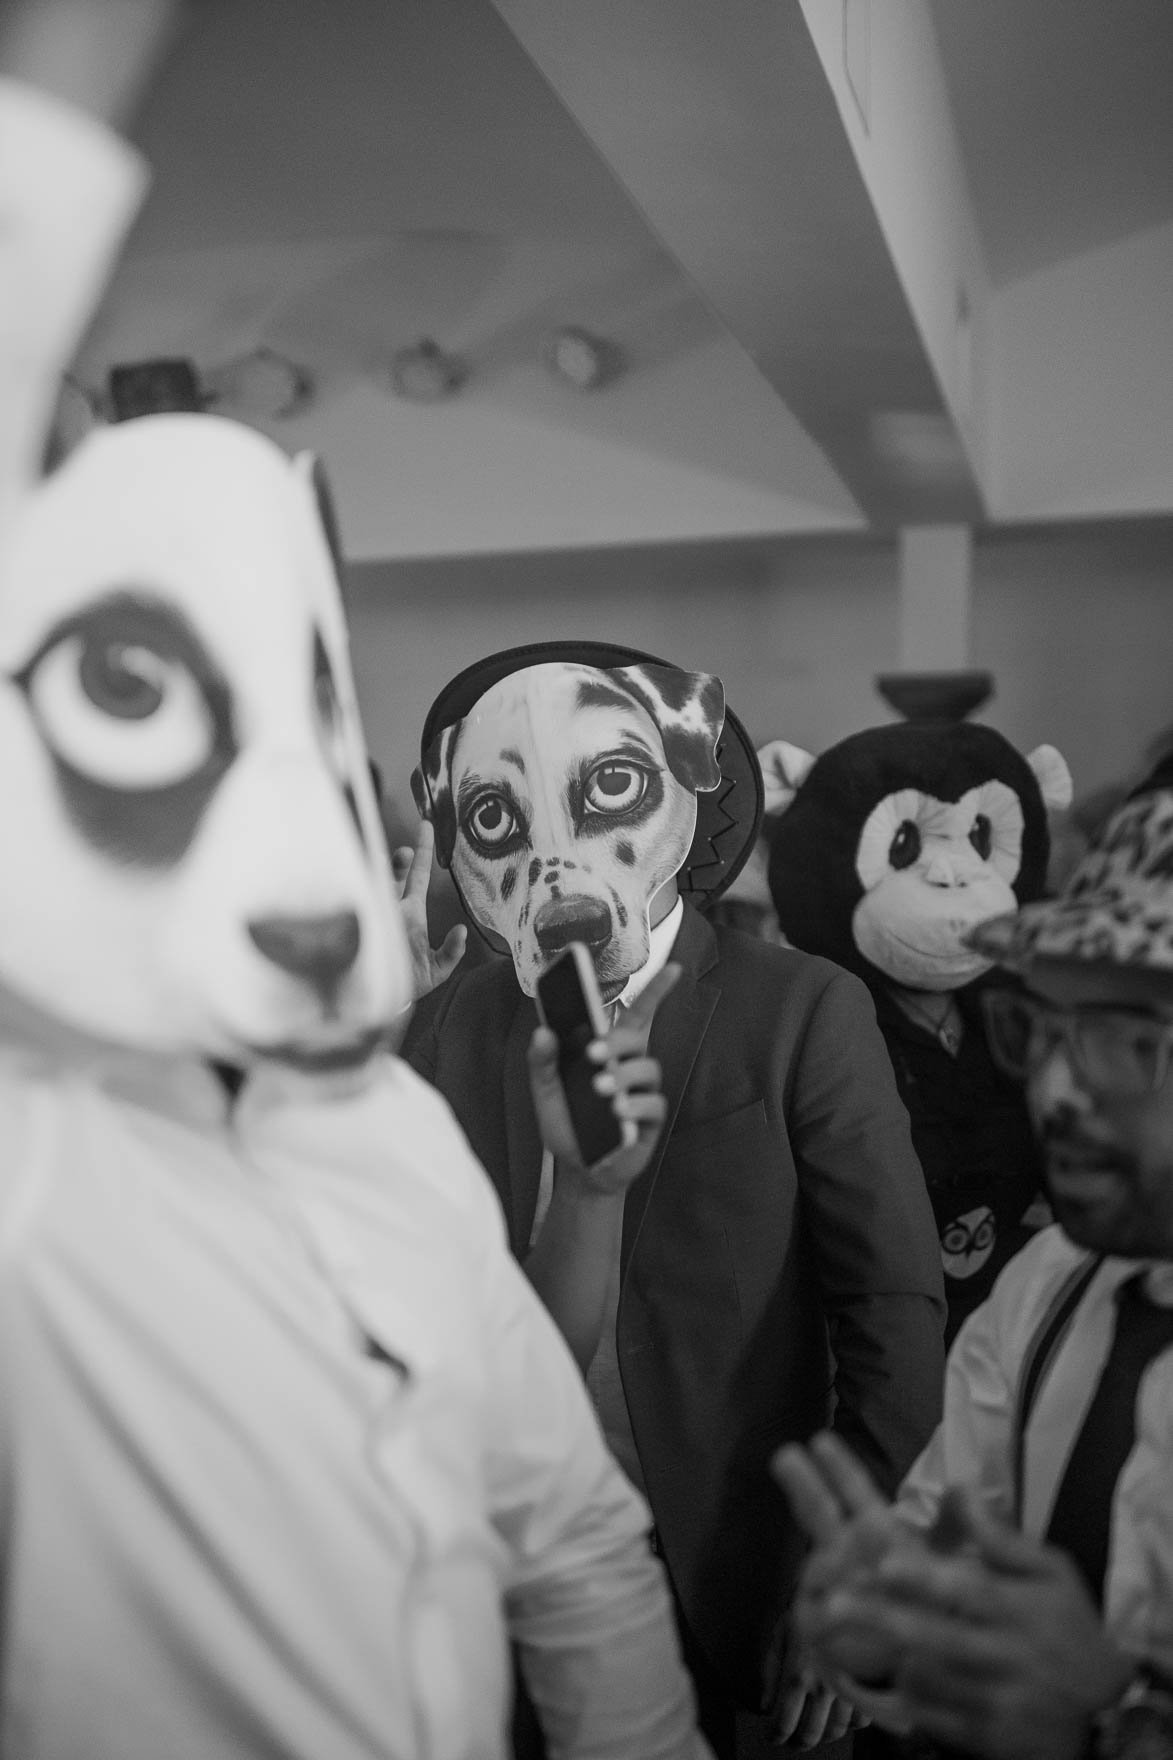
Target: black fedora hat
<point>728,818</point>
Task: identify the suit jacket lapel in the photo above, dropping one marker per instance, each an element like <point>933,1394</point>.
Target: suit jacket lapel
<point>522,1142</point>
<point>678,1031</point>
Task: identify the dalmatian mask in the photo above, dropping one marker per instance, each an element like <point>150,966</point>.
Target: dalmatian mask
<point>566,799</point>
<point>193,859</point>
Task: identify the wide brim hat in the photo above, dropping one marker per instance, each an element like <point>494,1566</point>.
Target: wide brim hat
<point>728,818</point>
<point>1117,906</point>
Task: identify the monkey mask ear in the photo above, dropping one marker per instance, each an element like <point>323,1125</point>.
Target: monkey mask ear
<point>785,768</point>
<point>1053,777</point>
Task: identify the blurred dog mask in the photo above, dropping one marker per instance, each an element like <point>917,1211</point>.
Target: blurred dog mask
<point>195,860</point>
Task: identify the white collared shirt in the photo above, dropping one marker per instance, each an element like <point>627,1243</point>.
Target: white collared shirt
<point>232,1517</point>
<point>975,1443</point>
<point>660,944</point>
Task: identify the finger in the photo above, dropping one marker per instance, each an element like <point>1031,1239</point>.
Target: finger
<point>401,860</point>
<point>639,1015</point>
<point>789,1710</point>
<point>919,1637</point>
<point>420,872</point>
<point>816,1508</point>
<point>542,1055</point>
<point>848,1478</point>
<point>1001,1547</point>
<point>451,950</point>
<point>840,1718</point>
<point>948,1725</point>
<point>634,1074</point>
<point>619,1043</point>
<point>646,1110</point>
<point>957,1586</point>
<point>812,1724</point>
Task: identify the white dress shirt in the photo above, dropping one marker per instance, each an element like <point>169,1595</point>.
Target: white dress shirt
<point>284,1430</point>
<point>975,1444</point>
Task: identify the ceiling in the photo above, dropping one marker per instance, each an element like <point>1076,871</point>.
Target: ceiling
<point>339,177</point>
<point>1065,116</point>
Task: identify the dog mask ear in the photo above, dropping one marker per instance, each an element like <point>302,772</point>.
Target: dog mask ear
<point>431,789</point>
<point>689,710</point>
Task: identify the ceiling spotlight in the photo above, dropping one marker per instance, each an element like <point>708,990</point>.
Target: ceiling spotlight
<point>262,384</point>
<point>582,359</point>
<point>424,373</point>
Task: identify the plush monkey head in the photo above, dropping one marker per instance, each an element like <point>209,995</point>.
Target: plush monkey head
<point>897,842</point>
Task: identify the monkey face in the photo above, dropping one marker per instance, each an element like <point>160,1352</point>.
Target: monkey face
<point>931,871</point>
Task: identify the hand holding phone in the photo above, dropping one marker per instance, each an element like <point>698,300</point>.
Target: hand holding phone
<point>570,1005</point>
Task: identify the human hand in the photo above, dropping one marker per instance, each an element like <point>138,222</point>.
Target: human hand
<point>852,1528</point>
<point>809,1714</point>
<point>997,1647</point>
<point>626,1073</point>
<point>412,871</point>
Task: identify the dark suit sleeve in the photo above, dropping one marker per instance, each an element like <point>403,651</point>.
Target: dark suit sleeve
<point>868,1215</point>
<point>419,1046</point>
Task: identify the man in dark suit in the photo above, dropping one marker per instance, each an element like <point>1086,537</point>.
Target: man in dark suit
<point>774,1266</point>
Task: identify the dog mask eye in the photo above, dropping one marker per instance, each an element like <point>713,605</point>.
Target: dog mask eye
<point>120,712</point>
<point>614,788</point>
<point>490,823</point>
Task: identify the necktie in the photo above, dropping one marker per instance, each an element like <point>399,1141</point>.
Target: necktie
<point>1082,1514</point>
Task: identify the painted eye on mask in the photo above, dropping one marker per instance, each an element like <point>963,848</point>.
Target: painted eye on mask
<point>981,835</point>
<point>121,713</point>
<point>905,846</point>
<point>491,823</point>
<point>614,787</point>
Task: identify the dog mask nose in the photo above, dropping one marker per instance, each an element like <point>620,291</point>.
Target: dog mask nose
<point>318,950</point>
<point>572,919</point>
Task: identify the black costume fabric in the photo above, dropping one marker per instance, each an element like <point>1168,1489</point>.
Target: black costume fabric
<point>972,1136</point>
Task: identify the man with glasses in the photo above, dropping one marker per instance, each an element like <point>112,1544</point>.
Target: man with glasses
<point>1016,1602</point>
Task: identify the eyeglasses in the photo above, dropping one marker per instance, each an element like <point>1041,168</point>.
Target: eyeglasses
<point>1118,1051</point>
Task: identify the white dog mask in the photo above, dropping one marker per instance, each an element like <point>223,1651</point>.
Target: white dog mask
<point>193,857</point>
<point>566,798</point>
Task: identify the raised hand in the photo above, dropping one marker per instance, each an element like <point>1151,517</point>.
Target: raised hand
<point>852,1528</point>
<point>577,1252</point>
<point>412,871</point>
<point>998,1647</point>
<point>625,1073</point>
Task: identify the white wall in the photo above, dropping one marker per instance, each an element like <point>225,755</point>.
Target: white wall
<point>1076,625</point>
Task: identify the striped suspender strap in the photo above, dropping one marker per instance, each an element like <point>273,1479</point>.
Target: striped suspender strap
<point>1040,1353</point>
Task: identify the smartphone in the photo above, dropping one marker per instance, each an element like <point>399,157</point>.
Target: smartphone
<point>570,1005</point>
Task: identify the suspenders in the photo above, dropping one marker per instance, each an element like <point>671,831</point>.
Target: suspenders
<point>1040,1353</point>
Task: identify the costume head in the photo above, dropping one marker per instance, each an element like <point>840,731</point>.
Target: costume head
<point>569,782</point>
<point>894,844</point>
<point>1100,955</point>
<point>193,858</point>
<point>1116,908</point>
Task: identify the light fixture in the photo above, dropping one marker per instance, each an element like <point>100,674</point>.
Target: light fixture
<point>425,373</point>
<point>263,385</point>
<point>582,359</point>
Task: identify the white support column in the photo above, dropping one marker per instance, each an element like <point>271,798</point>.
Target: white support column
<point>936,566</point>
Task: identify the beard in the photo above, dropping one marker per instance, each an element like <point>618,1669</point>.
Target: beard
<point>1097,1193</point>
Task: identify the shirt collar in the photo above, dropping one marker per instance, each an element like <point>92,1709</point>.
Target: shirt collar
<point>659,950</point>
